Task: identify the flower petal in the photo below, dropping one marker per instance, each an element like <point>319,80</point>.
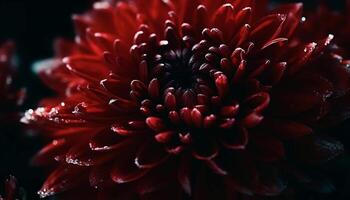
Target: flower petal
<point>62,179</point>
<point>235,139</point>
<point>150,155</point>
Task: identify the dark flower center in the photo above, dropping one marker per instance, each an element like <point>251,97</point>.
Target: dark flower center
<point>193,85</point>
<point>178,71</point>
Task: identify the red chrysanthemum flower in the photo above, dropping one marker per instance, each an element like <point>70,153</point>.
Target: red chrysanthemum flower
<point>11,190</point>
<point>10,96</point>
<point>190,100</point>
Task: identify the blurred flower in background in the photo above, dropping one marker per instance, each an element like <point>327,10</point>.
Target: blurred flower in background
<point>12,192</point>
<point>11,98</point>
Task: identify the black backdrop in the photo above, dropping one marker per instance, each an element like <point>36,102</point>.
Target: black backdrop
<point>33,25</point>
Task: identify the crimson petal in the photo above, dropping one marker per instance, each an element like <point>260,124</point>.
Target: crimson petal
<point>183,174</point>
<point>205,150</point>
<point>235,139</point>
<point>150,155</point>
<point>124,170</point>
<point>63,178</point>
<point>286,129</point>
<point>56,148</point>
<point>157,179</point>
<point>105,140</point>
<point>82,155</point>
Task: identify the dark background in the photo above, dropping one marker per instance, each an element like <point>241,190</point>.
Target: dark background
<point>33,25</point>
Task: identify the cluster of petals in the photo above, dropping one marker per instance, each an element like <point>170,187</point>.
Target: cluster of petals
<point>190,99</point>
<point>11,190</point>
